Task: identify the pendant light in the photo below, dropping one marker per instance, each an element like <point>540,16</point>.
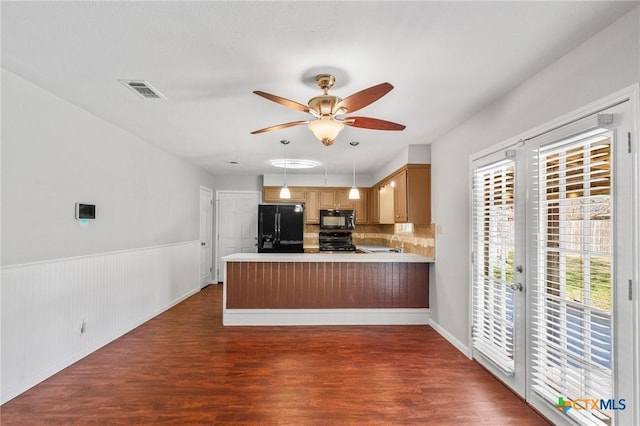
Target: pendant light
<point>284,191</point>
<point>354,194</point>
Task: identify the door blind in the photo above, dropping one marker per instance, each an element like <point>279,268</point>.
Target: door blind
<point>493,269</point>
<point>571,297</point>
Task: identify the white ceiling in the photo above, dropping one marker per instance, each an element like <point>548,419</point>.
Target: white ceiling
<point>446,60</point>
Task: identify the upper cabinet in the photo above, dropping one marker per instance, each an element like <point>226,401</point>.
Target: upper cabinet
<point>404,196</point>
<point>361,206</point>
<point>400,202</point>
<point>412,194</point>
<point>335,198</point>
<point>374,204</point>
<point>312,209</point>
<point>271,194</point>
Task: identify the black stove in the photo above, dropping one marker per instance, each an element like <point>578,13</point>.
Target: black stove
<point>335,241</point>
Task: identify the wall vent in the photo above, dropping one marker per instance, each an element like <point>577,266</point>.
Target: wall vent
<point>143,89</point>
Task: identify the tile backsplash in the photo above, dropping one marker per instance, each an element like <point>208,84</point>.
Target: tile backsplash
<point>421,240</point>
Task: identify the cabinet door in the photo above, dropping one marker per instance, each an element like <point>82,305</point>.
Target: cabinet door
<point>327,199</point>
<point>342,198</point>
<point>271,194</point>
<point>400,197</point>
<point>311,207</point>
<point>362,206</point>
<point>419,194</point>
<point>297,194</point>
<point>386,203</point>
<point>374,204</point>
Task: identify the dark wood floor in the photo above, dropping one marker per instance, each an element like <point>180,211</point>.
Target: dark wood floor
<point>184,367</point>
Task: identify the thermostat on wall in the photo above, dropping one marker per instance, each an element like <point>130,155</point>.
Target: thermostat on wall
<point>85,211</point>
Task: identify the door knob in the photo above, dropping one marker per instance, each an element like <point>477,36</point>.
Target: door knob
<point>515,286</point>
<point>202,243</point>
<point>519,268</point>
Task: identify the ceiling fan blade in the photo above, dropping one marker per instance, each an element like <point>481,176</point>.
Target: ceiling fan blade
<point>364,97</point>
<point>283,101</point>
<point>280,126</point>
<point>372,123</point>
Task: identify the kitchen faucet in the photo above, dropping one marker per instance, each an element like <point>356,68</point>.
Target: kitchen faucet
<point>399,248</point>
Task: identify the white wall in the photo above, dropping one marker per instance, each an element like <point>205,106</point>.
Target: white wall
<point>414,154</point>
<point>238,183</point>
<point>55,154</point>
<point>411,154</point>
<point>137,258</point>
<point>315,179</point>
<point>606,63</point>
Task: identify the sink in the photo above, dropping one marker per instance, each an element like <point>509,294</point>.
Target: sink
<point>377,249</point>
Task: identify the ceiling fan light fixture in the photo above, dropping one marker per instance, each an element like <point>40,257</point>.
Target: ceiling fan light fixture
<point>326,129</point>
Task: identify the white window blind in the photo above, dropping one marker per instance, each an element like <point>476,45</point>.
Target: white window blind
<point>493,269</point>
<point>571,284</point>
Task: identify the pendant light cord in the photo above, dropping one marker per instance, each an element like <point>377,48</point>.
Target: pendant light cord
<point>285,164</point>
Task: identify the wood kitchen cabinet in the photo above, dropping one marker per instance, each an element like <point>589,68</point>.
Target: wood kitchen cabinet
<point>334,198</point>
<point>312,207</point>
<point>400,207</point>
<point>410,197</point>
<point>412,194</point>
<point>342,195</point>
<point>327,198</point>
<point>361,206</point>
<point>374,204</point>
<point>271,194</point>
<point>407,200</point>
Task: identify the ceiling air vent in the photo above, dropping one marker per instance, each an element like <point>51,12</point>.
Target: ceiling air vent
<point>143,89</point>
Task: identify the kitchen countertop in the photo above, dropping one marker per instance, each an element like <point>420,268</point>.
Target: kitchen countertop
<point>375,248</point>
<point>328,257</point>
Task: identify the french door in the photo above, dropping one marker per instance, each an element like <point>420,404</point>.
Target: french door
<point>552,270</point>
<point>498,301</point>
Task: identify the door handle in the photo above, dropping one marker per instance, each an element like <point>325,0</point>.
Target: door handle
<point>202,243</point>
<point>515,286</point>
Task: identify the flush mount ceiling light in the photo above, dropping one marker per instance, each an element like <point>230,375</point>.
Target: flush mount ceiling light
<point>327,108</point>
<point>292,163</point>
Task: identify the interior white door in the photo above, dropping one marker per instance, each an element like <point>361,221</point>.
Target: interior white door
<point>206,236</point>
<point>498,298</point>
<point>237,224</point>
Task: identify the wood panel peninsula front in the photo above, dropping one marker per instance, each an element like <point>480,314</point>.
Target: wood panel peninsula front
<point>325,289</point>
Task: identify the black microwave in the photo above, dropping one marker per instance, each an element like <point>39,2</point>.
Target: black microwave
<point>337,219</point>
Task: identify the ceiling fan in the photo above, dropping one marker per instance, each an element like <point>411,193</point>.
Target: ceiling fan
<point>326,108</point>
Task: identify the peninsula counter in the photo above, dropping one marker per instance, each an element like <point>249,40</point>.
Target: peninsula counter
<point>323,288</point>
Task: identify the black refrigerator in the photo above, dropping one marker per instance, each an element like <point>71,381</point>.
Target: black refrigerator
<point>280,228</point>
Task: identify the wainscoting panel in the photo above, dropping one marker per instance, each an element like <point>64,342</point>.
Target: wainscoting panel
<point>57,312</point>
<point>327,285</point>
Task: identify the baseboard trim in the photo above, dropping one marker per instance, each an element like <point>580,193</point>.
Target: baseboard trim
<point>455,342</point>
<point>266,317</point>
